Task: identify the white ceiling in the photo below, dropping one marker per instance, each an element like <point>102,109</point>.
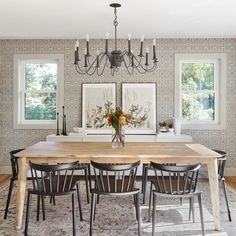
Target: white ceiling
<point>70,19</point>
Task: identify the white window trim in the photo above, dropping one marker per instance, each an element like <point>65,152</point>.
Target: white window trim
<point>220,122</point>
<point>18,108</point>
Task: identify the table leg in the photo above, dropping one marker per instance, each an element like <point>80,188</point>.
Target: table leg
<point>21,192</point>
<point>214,189</point>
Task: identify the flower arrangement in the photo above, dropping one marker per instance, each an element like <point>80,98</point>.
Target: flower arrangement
<point>117,119</point>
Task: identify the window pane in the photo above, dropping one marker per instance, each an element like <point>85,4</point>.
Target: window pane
<point>197,76</point>
<point>40,76</point>
<point>198,106</point>
<point>40,106</point>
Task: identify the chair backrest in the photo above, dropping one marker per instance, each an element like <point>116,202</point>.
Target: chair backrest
<point>115,178</point>
<point>14,162</point>
<point>175,179</point>
<point>221,162</point>
<point>53,179</point>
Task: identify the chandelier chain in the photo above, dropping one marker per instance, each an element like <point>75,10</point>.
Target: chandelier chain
<point>115,23</point>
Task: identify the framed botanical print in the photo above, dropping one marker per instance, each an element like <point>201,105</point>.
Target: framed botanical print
<point>139,99</point>
<point>98,99</point>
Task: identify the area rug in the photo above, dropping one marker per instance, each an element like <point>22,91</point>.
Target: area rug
<point>116,216</point>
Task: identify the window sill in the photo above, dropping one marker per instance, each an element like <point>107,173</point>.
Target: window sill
<point>35,126</point>
<point>203,126</point>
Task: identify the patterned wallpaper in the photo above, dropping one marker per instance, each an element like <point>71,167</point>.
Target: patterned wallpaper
<point>164,77</point>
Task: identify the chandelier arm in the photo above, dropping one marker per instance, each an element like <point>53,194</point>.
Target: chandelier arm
<point>127,65</point>
<point>99,74</point>
<point>79,70</point>
<point>128,68</point>
<point>140,71</point>
<point>139,63</point>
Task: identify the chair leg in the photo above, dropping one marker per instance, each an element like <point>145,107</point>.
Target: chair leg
<point>191,209</point>
<point>89,177</point>
<point>143,174</point>
<point>150,202</point>
<point>137,207</point>
<point>92,213</point>
<point>86,184</point>
<point>52,200</point>
<point>154,214</point>
<point>79,202</point>
<point>38,207</point>
<point>43,207</point>
<point>73,213</point>
<point>226,200</point>
<point>27,214</point>
<point>145,183</point>
<point>95,206</point>
<point>201,213</point>
<point>9,197</point>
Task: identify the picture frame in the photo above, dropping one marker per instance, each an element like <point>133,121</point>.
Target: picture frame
<point>97,100</point>
<point>139,99</point>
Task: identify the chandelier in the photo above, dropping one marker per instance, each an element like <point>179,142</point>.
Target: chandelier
<point>116,58</point>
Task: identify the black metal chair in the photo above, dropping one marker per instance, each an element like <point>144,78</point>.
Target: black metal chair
<point>52,180</point>
<point>14,177</point>
<point>221,167</point>
<point>175,181</point>
<point>114,180</point>
<point>146,168</point>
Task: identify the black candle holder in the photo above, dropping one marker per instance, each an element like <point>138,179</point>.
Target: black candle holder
<point>63,122</point>
<point>58,133</point>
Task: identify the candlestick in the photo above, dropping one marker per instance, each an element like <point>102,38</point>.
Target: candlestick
<point>58,124</point>
<point>63,120</point>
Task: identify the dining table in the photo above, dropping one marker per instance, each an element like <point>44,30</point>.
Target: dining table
<point>164,152</point>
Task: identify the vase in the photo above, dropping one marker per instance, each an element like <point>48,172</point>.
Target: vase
<point>118,138</point>
<point>177,125</point>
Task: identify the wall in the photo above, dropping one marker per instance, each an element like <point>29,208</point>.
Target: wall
<point>164,77</point>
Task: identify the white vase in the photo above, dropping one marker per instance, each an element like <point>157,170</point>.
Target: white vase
<point>177,125</point>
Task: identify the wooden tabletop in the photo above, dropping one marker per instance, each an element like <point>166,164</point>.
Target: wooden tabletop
<point>103,152</point>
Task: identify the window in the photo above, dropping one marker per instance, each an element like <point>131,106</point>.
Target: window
<point>38,90</point>
<point>200,90</point>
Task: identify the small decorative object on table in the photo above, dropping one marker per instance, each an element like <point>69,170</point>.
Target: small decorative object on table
<point>171,127</point>
<point>163,126</point>
<point>117,119</point>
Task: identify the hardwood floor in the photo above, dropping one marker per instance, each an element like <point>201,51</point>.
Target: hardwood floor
<point>231,181</point>
<point>4,179</point>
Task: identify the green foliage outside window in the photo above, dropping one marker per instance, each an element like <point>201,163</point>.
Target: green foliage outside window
<point>40,105</point>
<point>198,101</point>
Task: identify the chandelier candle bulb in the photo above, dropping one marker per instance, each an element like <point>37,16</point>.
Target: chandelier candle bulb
<point>146,64</point>
<point>87,48</point>
<point>97,59</point>
<point>154,54</point>
<point>141,49</point>
<point>154,42</point>
<point>107,35</point>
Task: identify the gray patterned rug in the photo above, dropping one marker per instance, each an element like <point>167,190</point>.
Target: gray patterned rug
<point>116,216</point>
